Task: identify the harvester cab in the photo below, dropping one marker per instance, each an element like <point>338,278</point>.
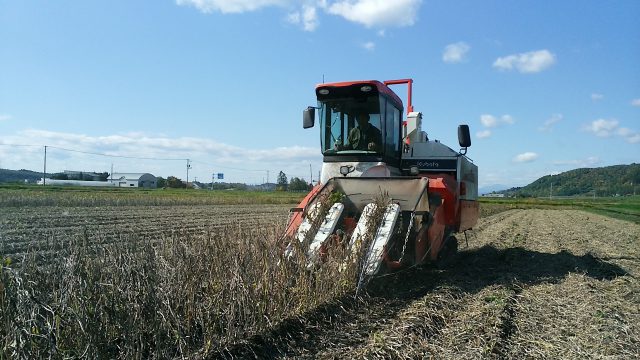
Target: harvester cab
<point>385,189</point>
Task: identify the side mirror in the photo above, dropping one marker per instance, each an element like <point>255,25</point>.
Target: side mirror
<point>464,138</point>
<point>308,117</point>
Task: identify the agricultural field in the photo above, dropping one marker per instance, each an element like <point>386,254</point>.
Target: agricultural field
<point>152,275</point>
<point>532,283</point>
<point>28,228</point>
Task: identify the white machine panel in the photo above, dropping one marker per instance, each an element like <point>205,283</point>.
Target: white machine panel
<point>361,226</point>
<point>383,235</point>
<point>326,229</point>
<point>304,228</point>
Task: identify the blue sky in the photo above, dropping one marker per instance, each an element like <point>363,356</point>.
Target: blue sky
<point>544,86</point>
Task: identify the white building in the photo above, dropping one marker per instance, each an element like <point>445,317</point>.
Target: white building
<point>57,182</point>
<point>143,180</point>
<point>495,195</point>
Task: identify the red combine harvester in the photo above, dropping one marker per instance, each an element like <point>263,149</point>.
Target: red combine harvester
<point>369,149</point>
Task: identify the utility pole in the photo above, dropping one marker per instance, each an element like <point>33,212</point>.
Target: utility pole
<point>188,167</point>
<point>551,191</point>
<point>310,175</point>
<point>44,174</point>
<point>267,176</point>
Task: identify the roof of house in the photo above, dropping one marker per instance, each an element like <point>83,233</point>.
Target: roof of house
<point>130,176</point>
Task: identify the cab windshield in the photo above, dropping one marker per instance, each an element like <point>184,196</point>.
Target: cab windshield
<point>351,126</point>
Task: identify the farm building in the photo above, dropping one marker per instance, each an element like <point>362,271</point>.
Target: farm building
<point>82,175</point>
<point>128,180</point>
<point>495,195</point>
<point>58,182</point>
<point>143,180</point>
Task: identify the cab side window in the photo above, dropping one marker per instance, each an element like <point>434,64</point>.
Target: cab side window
<point>392,132</point>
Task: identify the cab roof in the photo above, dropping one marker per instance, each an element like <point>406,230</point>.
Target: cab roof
<point>380,87</point>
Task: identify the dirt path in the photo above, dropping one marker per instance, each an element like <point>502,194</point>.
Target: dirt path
<point>532,283</point>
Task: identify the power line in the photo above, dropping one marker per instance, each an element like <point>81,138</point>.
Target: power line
<point>117,156</point>
<point>99,154</point>
<point>32,145</point>
<point>226,167</point>
<point>148,158</point>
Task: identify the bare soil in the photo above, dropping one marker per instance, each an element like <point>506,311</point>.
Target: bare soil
<point>530,284</point>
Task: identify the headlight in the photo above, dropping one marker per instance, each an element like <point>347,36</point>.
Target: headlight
<point>346,169</point>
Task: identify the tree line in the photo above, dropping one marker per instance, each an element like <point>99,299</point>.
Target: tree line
<point>282,184</point>
<point>295,184</point>
<point>605,181</point>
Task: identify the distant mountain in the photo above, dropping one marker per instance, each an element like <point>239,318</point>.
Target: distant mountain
<point>7,175</point>
<point>604,181</point>
<point>491,188</point>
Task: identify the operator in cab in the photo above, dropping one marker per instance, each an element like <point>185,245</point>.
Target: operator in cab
<point>365,136</point>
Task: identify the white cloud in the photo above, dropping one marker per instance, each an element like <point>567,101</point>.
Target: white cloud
<point>5,117</point>
<point>507,119</point>
<point>293,160</point>
<point>588,162</point>
<point>592,160</point>
<point>488,120</point>
<point>609,127</point>
<point>483,134</point>
<point>455,53</point>
<point>597,97</point>
<point>294,18</point>
<point>633,139</point>
<point>491,121</point>
<point>548,124</point>
<point>230,6</point>
<point>529,62</point>
<point>376,13</point>
<point>369,45</point>
<point>623,131</point>
<point>159,146</point>
<point>370,13</point>
<point>635,102</point>
<point>629,135</point>
<point>602,127</point>
<point>525,157</point>
<point>307,18</point>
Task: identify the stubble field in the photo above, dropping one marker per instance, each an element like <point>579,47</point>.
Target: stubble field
<point>531,283</point>
<point>25,228</point>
